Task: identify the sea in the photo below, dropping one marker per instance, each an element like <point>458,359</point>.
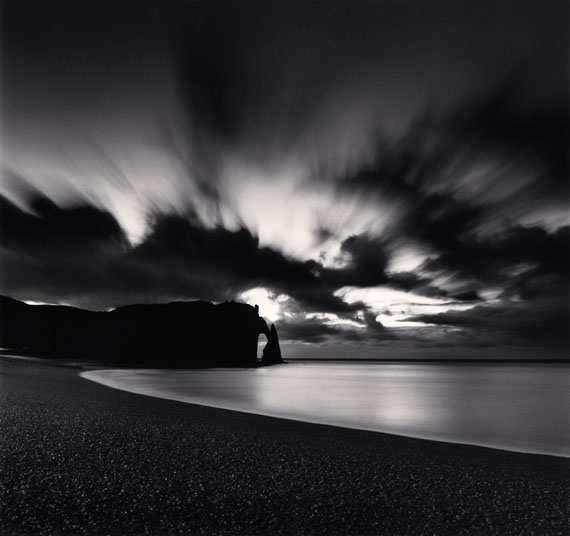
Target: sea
<point>523,407</point>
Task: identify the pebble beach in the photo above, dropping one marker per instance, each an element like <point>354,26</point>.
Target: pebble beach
<point>80,458</point>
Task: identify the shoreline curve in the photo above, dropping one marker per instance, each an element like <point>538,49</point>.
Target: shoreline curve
<point>96,376</point>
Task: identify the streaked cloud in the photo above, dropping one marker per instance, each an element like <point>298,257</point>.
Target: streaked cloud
<point>364,172</point>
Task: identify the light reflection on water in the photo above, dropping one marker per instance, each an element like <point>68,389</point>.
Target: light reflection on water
<point>512,406</point>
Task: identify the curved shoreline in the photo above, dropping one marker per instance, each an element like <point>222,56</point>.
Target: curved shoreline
<point>105,378</point>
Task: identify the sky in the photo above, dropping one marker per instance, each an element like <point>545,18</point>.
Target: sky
<point>382,178</point>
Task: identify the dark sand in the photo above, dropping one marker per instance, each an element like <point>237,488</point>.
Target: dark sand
<point>79,458</point>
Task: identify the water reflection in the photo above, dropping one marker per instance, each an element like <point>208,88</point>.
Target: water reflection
<point>517,407</point>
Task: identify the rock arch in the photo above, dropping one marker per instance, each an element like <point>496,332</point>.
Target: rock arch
<point>272,351</point>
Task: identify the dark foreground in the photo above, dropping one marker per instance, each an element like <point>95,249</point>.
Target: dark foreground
<point>79,458</point>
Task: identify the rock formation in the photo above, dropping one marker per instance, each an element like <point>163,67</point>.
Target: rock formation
<point>180,334</point>
<point>272,351</point>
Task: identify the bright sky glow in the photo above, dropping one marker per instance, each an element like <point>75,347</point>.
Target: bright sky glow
<point>286,211</point>
<point>406,259</point>
<point>269,303</point>
<point>398,321</point>
<point>394,306</point>
<point>334,320</point>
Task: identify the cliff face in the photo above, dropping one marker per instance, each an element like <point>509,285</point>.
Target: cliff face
<point>181,334</point>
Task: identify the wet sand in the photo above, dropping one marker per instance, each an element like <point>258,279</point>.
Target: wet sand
<point>80,458</point>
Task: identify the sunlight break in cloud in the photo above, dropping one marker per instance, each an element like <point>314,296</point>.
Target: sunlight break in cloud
<point>269,303</point>
<point>394,307</point>
<point>285,210</point>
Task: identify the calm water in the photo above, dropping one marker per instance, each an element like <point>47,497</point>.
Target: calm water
<point>523,407</point>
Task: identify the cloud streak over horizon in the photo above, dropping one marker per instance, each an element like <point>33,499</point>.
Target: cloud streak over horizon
<point>373,173</point>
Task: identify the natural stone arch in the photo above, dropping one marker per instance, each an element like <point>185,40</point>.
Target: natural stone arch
<point>272,350</point>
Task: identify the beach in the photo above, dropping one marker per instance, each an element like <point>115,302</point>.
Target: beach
<point>81,458</point>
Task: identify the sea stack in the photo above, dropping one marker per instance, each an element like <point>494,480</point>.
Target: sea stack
<point>272,351</point>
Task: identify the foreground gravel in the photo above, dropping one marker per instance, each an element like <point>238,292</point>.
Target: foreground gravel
<point>79,458</point>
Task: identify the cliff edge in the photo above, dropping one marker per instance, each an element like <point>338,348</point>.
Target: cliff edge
<point>179,334</point>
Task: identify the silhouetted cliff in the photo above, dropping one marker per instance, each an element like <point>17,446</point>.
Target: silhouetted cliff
<point>180,334</point>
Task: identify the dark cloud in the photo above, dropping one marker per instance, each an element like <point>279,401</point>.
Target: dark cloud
<point>412,282</point>
<point>317,330</point>
<point>538,323</point>
<point>368,261</point>
<point>466,214</point>
<point>538,134</point>
<point>53,254</point>
<point>80,255</point>
<point>465,179</point>
<point>469,296</point>
<point>80,252</point>
<point>504,149</point>
<point>307,330</point>
<point>513,258</point>
<point>532,267</point>
<point>52,231</point>
<point>367,266</point>
<point>235,261</point>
